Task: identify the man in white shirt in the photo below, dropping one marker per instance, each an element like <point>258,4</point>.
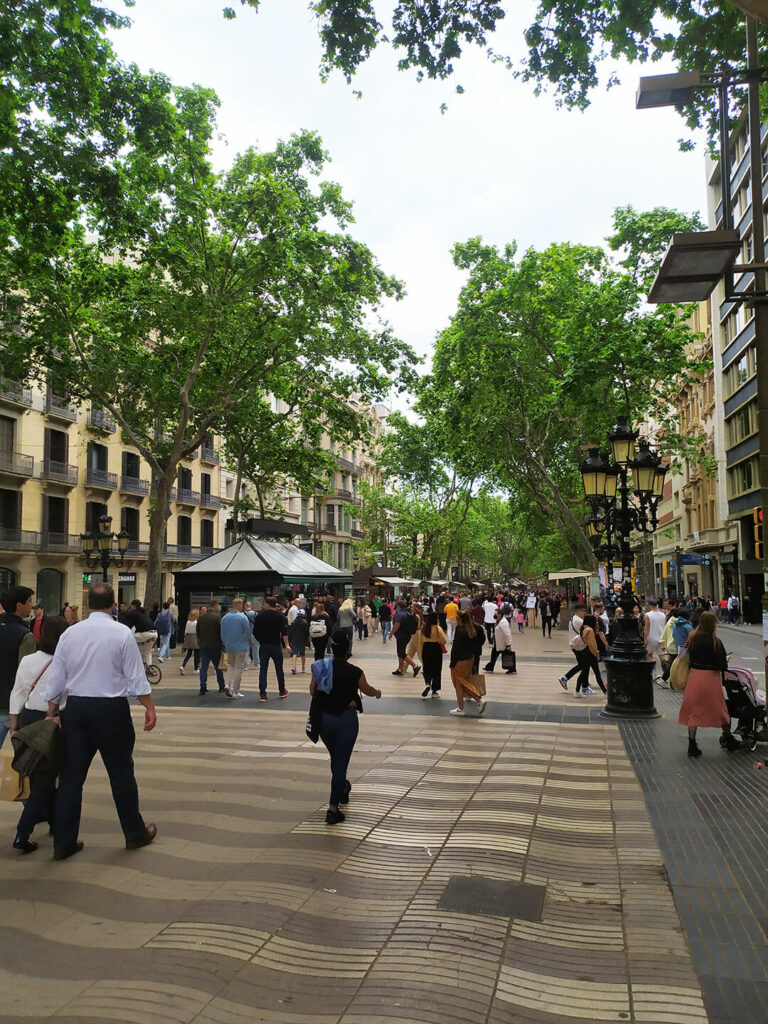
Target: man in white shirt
<point>97,666</point>
<point>655,621</point>
<point>490,608</point>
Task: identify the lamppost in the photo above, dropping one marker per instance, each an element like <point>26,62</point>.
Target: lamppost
<point>97,544</point>
<point>624,496</point>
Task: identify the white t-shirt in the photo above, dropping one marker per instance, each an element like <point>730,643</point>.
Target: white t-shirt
<point>530,601</point>
<point>490,610</point>
<point>656,622</point>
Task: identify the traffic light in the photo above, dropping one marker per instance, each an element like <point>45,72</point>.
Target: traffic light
<point>757,530</point>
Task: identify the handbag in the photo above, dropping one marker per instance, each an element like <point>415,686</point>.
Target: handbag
<point>312,728</point>
<point>13,786</point>
<point>477,682</point>
<point>678,674</point>
<point>509,660</point>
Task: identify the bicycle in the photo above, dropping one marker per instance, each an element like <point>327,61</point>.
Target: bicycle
<point>153,672</point>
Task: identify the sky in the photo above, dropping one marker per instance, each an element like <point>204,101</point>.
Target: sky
<point>502,163</point>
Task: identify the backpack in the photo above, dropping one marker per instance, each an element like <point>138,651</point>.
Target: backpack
<point>410,624</point>
<point>322,673</point>
<point>317,629</point>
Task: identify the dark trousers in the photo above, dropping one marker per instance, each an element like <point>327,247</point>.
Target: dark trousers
<point>587,661</point>
<point>93,724</point>
<point>40,804</point>
<point>338,733</point>
<point>210,656</point>
<point>188,654</point>
<point>441,620</point>
<point>432,665</point>
<point>267,653</point>
<point>495,655</point>
<point>490,629</point>
<point>546,625</point>
<point>319,643</point>
<point>362,630</point>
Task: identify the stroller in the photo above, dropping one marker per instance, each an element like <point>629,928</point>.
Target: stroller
<point>747,705</point>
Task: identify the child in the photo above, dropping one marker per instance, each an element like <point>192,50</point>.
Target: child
<point>520,619</point>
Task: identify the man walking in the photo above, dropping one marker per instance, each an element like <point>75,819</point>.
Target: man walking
<point>655,621</point>
<point>403,628</point>
<point>209,642</point>
<point>489,617</point>
<point>236,635</point>
<point>271,630</point>
<point>98,666</point>
<point>451,612</point>
<point>16,640</point>
<point>385,618</point>
<point>253,651</point>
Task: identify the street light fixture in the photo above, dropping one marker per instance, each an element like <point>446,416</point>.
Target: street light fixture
<point>97,544</point>
<point>624,498</point>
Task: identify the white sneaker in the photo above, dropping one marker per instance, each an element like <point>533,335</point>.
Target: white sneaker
<point>588,690</point>
<point>181,669</point>
<point>437,694</point>
<point>579,693</point>
<point>456,711</point>
<point>228,694</point>
<point>481,709</point>
<point>239,694</point>
<point>227,691</point>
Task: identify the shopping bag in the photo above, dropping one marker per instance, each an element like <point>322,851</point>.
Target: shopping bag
<point>678,674</point>
<point>12,785</point>
<point>223,662</point>
<point>477,682</point>
<point>509,660</point>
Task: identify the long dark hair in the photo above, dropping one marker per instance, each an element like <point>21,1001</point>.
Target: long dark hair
<point>707,626</point>
<point>50,631</point>
<point>430,620</point>
<point>468,624</point>
<point>588,622</point>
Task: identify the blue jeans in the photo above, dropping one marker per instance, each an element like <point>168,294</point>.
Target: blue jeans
<point>254,653</point>
<point>165,646</point>
<point>267,653</point>
<point>385,628</point>
<point>210,656</point>
<point>350,631</point>
<point>338,733</point>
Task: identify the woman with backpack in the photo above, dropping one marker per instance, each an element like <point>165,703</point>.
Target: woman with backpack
<point>336,714</point>
<point>298,639</point>
<point>319,629</point>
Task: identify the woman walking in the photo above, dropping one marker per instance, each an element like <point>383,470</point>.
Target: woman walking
<point>703,703</point>
<point>347,619</point>
<point>587,657</point>
<point>338,723</point>
<point>502,637</point>
<point>298,640</point>
<point>429,643</point>
<point>189,644</point>
<point>26,707</point>
<point>465,653</point>
<point>319,630</point>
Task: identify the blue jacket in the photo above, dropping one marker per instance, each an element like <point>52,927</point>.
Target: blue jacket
<point>236,631</point>
<point>681,631</point>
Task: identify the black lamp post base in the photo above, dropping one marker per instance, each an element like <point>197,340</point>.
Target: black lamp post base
<point>630,688</point>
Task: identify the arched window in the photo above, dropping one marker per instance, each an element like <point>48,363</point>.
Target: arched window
<point>50,590</point>
<point>7,579</point>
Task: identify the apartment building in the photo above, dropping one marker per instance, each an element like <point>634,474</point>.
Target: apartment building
<point>325,523</point>
<point>61,468</point>
<point>733,343</point>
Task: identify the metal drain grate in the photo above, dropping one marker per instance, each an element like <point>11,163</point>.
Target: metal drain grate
<point>492,898</point>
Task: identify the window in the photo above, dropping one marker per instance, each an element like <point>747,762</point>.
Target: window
<point>56,446</point>
<point>94,510</point>
<point>7,433</point>
<point>330,511</point>
<point>742,424</point>
<point>206,533</point>
<point>346,520</point>
<point>739,372</point>
<point>184,530</point>
<point>205,483</point>
<point>131,465</point>
<point>10,512</point>
<point>56,517</point>
<point>304,511</point>
<point>185,479</point>
<point>742,478</point>
<point>129,521</point>
<point>98,457</point>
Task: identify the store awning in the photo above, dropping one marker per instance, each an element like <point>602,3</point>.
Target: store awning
<point>265,557</point>
<point>569,574</point>
<point>394,581</point>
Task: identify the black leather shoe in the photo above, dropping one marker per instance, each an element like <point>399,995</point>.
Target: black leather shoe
<point>145,840</point>
<point>24,845</point>
<point>347,790</point>
<point>62,852</point>
<point>333,817</point>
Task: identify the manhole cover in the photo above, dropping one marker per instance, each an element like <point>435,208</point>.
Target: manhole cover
<point>493,898</point>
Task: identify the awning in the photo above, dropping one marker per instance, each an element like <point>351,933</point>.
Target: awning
<point>262,557</point>
<point>394,581</point>
<point>570,574</point>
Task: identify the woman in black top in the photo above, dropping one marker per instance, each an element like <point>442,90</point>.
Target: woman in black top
<point>465,657</point>
<point>703,702</point>
<point>338,720</point>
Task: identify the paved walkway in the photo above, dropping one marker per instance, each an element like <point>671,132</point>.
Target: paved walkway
<point>542,866</point>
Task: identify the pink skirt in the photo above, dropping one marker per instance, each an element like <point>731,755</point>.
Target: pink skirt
<point>703,701</point>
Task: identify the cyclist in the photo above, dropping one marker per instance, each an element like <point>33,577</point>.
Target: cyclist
<point>143,627</point>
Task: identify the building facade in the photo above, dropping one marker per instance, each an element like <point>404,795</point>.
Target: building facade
<point>733,340</point>
<point>61,469</point>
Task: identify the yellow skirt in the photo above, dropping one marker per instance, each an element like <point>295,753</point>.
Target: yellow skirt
<point>461,673</point>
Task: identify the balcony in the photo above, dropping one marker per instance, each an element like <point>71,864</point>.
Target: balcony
<point>210,500</point>
<point>358,534</point>
<point>15,464</point>
<point>12,393</point>
<point>187,497</point>
<point>137,549</point>
<point>345,464</point>
<point>209,454</point>
<point>59,408</point>
<point>342,492</point>
<point>328,528</point>
<point>101,420</point>
<point>153,491</point>
<point>133,485</point>
<point>12,539</point>
<point>101,478</point>
<point>187,552</point>
<point>59,472</point>
<point>65,543</point>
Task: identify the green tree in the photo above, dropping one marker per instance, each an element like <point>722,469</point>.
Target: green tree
<point>211,287</point>
<point>542,354</point>
<point>642,237</point>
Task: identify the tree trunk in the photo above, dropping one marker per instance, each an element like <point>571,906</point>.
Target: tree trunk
<point>157,522</point>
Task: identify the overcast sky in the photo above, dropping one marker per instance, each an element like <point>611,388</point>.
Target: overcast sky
<point>501,163</point>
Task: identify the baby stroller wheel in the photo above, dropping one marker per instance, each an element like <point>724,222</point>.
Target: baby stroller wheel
<point>722,739</point>
<point>750,742</point>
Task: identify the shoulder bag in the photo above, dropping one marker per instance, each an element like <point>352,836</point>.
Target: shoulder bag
<point>678,674</point>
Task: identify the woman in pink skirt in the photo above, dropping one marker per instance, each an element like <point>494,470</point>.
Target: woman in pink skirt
<point>704,704</point>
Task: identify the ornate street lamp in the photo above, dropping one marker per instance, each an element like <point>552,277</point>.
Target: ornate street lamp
<point>97,544</point>
<point>624,497</point>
